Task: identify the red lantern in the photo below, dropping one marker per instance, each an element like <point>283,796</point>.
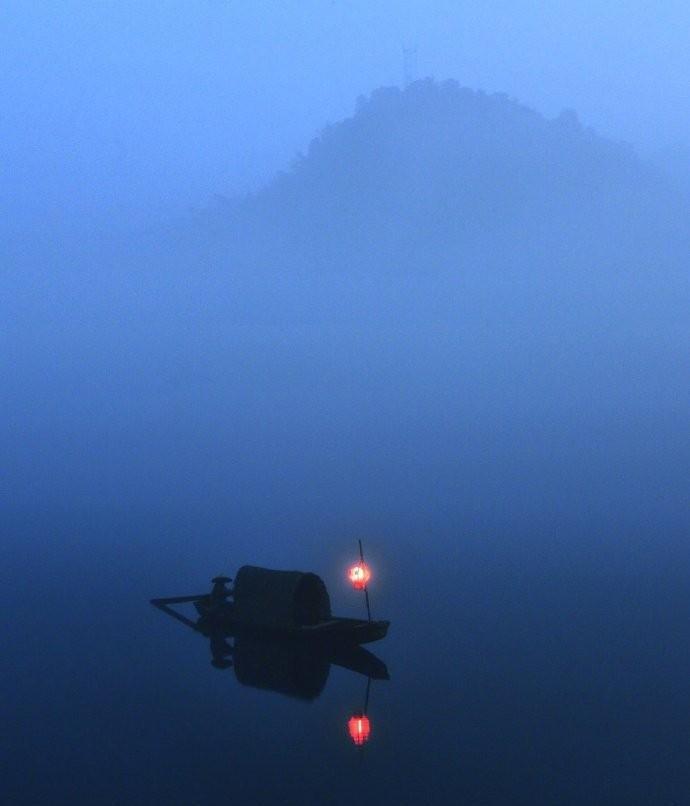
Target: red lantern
<point>359,729</point>
<point>359,575</point>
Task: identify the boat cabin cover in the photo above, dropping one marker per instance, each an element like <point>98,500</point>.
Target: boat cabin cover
<point>279,599</point>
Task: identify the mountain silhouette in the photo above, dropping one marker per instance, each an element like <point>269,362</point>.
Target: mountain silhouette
<point>417,177</point>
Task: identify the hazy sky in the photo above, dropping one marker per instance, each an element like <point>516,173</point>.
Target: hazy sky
<point>132,108</point>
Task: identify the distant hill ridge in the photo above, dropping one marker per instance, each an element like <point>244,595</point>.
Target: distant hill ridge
<point>438,141</point>
<point>437,166</point>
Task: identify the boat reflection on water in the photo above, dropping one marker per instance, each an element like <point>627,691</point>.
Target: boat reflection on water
<point>292,666</point>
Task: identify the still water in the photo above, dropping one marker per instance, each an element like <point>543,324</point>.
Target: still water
<point>536,666</point>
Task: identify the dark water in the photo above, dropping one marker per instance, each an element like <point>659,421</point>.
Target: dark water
<point>544,665</point>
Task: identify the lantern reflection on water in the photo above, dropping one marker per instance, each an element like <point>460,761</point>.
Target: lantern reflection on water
<point>359,576</point>
<point>359,729</point>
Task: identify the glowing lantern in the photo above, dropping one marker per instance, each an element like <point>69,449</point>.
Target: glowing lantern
<point>359,575</point>
<point>359,729</point>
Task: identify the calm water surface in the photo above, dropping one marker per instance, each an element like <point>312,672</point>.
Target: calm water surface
<point>535,667</point>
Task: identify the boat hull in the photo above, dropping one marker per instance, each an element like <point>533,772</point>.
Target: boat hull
<point>356,631</point>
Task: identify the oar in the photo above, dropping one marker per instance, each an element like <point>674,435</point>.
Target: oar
<point>178,599</point>
<point>159,603</point>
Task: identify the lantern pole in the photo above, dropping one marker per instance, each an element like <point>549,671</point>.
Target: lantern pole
<point>366,696</point>
<point>366,591</point>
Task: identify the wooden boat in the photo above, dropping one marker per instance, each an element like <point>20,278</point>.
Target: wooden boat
<point>280,604</point>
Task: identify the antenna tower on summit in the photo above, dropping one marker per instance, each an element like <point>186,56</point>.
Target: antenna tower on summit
<point>409,53</point>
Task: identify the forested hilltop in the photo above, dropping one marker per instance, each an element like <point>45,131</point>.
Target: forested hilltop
<point>417,177</point>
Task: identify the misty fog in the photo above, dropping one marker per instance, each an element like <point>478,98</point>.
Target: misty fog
<point>278,276</point>
<point>449,306</point>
